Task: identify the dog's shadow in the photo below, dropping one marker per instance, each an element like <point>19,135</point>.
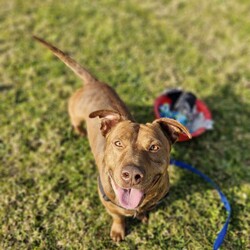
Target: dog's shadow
<point>5,87</point>
<point>211,152</point>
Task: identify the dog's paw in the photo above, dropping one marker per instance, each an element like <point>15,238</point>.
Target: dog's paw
<point>79,129</point>
<point>117,233</point>
<point>143,218</point>
<point>117,236</point>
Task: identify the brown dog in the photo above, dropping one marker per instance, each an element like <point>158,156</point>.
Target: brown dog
<point>132,158</point>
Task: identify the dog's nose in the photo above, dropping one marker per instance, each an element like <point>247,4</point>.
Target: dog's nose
<point>132,175</point>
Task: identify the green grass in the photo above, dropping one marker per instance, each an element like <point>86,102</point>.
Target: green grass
<point>48,187</point>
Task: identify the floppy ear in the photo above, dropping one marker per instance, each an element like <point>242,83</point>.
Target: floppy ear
<point>172,129</point>
<point>109,118</point>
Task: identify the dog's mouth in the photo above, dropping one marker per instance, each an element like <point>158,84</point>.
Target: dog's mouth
<point>129,198</point>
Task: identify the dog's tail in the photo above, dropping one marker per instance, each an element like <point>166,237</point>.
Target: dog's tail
<point>71,63</point>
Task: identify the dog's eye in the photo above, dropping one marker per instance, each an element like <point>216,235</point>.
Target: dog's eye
<point>118,144</point>
<point>154,148</point>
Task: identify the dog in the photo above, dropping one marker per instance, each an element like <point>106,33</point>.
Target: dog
<point>132,158</point>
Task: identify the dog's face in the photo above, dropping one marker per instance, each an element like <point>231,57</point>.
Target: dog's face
<point>137,157</point>
<point>137,160</point>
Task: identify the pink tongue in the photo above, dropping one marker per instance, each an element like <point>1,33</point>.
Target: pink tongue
<point>129,198</point>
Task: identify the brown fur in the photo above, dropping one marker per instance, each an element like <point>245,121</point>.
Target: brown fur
<point>119,143</point>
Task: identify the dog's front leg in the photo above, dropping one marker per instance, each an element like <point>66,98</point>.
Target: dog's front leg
<point>117,232</point>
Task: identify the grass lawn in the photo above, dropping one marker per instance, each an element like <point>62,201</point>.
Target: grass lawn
<point>48,178</point>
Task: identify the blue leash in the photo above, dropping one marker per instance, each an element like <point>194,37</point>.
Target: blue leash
<point>223,231</point>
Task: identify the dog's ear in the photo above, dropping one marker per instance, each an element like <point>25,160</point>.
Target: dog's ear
<point>109,118</point>
<point>172,129</point>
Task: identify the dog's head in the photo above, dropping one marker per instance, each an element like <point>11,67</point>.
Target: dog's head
<point>137,157</point>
